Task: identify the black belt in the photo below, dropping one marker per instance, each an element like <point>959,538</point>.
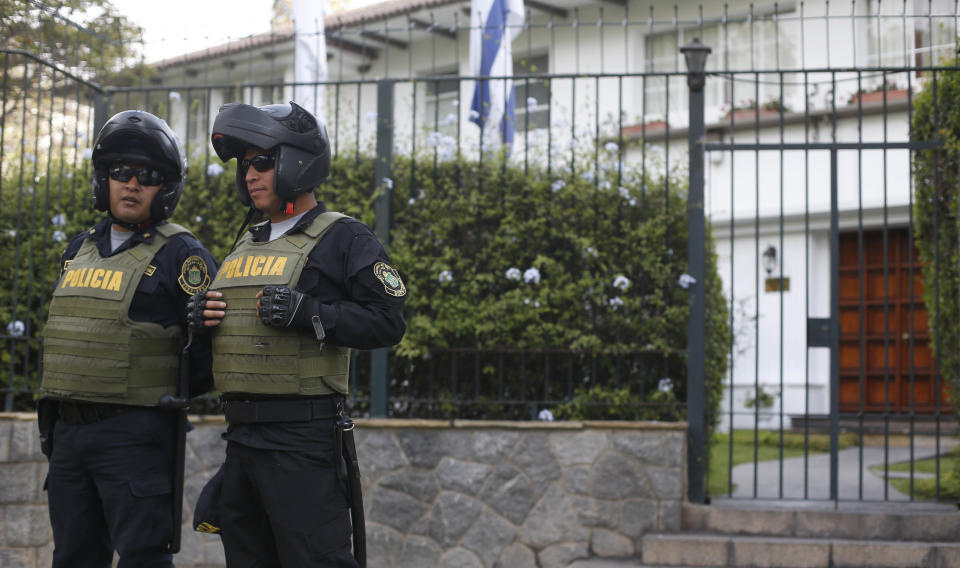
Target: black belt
<point>237,411</point>
<point>74,413</point>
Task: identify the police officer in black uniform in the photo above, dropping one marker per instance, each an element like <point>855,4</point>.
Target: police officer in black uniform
<point>297,293</point>
<point>112,347</point>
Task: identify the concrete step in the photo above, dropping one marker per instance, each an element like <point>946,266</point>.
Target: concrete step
<point>701,549</point>
<point>900,522</point>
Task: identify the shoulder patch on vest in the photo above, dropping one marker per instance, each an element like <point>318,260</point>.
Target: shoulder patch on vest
<point>66,265</point>
<point>193,275</point>
<point>390,279</point>
<point>150,270</point>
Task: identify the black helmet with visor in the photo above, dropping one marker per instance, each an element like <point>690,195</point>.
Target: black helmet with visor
<point>297,141</point>
<point>138,137</point>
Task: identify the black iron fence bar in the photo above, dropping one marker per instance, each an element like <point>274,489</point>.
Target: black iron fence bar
<point>776,147</point>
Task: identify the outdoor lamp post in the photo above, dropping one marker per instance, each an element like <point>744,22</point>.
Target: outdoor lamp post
<point>696,55</point>
<point>770,259</point>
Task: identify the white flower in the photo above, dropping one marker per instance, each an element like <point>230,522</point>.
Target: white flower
<point>526,301</point>
<point>59,236</point>
<point>624,192</point>
<point>531,102</point>
<point>545,415</point>
<point>16,328</point>
<point>590,251</point>
<point>174,96</point>
<point>371,116</point>
<point>686,281</point>
<point>69,175</point>
<point>12,233</point>
<point>536,303</point>
<point>560,123</point>
<point>214,169</point>
<point>411,201</point>
<point>433,139</point>
<point>531,276</point>
<point>558,185</point>
<point>513,274</point>
<point>446,276</point>
<point>59,220</point>
<point>198,219</point>
<point>633,201</point>
<point>388,183</point>
<point>604,184</point>
<point>449,119</point>
<point>30,157</point>
<point>621,282</point>
<point>611,147</point>
<point>87,153</point>
<point>455,103</point>
<point>197,151</point>
<point>588,175</point>
<point>474,115</point>
<point>665,385</point>
<point>616,302</point>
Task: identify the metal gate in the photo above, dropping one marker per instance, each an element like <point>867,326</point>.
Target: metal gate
<point>835,380</point>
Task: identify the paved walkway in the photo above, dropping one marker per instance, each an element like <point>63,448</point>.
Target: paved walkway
<point>856,480</point>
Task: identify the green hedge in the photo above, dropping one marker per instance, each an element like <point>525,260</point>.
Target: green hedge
<point>608,248</point>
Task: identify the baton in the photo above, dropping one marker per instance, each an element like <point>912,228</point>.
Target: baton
<point>179,403</point>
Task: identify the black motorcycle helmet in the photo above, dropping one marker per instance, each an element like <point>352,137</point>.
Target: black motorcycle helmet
<point>298,140</point>
<point>140,137</point>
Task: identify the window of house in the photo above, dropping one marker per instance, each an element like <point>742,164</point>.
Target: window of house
<point>773,47</point>
<point>441,110</point>
<point>532,96</point>
<point>198,114</point>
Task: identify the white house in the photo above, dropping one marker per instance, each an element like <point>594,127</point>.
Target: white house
<point>592,72</point>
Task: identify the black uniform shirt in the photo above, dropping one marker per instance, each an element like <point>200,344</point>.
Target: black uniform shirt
<point>356,311</point>
<point>159,297</point>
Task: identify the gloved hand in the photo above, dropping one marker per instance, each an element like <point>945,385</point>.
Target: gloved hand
<point>204,310</point>
<point>281,306</point>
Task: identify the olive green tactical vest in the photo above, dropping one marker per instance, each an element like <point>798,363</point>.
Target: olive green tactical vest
<point>92,350</point>
<point>251,357</point>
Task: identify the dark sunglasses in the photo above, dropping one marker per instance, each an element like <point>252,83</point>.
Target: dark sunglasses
<point>261,163</point>
<point>146,176</point>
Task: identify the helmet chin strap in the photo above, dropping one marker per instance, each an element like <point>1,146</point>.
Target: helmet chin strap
<point>135,227</point>
<point>287,208</point>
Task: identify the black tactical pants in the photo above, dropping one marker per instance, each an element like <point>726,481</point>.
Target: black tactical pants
<point>109,488</point>
<point>284,509</point>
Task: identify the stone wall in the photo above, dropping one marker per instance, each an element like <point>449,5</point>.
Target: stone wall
<point>458,494</point>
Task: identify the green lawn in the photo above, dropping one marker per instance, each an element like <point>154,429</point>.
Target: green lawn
<point>768,448</point>
<point>926,489</point>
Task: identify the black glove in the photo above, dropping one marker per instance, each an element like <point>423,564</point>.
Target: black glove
<point>282,307</point>
<point>195,306</point>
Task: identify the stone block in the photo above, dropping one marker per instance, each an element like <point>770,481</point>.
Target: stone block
<point>516,556</point>
<point>463,476</point>
<point>423,448</point>
<point>378,454</point>
<point>489,447</point>
<point>671,518</point>
<point>418,552</point>
<point>948,555</point>
<point>853,526</point>
<point>580,448</point>
<point>638,517</point>
<point>19,482</point>
<point>213,555</point>
<point>552,520</point>
<point>509,493</point>
<point>617,477</point>
<point>45,555</point>
<point>17,558</point>
<point>608,544</point>
<point>25,442</point>
<point>879,554</point>
<point>27,525</point>
<point>667,484</point>
<point>6,427</point>
<point>207,444</point>
<point>684,550</point>
<point>784,552</point>
<point>42,470</point>
<point>449,518</point>
<point>645,447</point>
<point>576,480</point>
<point>395,509</point>
<point>563,554</point>
<point>532,454</point>
<point>3,525</point>
<point>488,535</point>
<point>674,449</point>
<point>459,558</point>
<point>748,522</point>
<point>596,512</point>
<point>384,545</point>
<point>418,483</point>
<point>929,527</point>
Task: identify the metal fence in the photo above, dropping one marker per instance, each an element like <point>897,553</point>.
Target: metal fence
<point>800,148</point>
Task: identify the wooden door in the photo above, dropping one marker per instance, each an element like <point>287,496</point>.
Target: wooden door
<point>881,369</point>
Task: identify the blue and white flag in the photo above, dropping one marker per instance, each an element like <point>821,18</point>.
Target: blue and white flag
<point>494,24</point>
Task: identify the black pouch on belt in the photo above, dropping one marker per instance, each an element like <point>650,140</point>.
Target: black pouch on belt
<point>48,412</point>
<point>346,453</point>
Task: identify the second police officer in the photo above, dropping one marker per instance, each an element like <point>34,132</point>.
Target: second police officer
<point>295,295</point>
<point>112,349</point>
